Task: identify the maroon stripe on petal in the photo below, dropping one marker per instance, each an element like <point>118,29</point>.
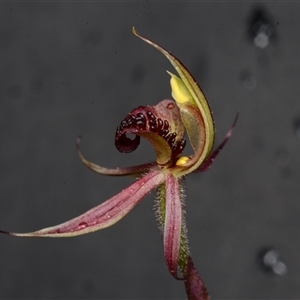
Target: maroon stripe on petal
<point>106,214</point>
<point>172,227</point>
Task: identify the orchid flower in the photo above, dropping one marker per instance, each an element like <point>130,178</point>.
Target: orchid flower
<point>165,126</point>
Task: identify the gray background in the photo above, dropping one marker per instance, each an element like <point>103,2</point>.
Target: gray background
<point>75,68</point>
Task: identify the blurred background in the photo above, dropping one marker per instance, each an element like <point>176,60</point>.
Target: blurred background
<point>75,68</point>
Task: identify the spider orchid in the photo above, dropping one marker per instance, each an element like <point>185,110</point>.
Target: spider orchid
<point>164,126</point>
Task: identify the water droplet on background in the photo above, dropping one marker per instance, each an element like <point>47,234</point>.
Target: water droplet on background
<point>280,268</point>
<point>36,84</point>
<point>248,80</point>
<point>270,258</point>
<point>261,28</point>
<point>261,40</point>
<point>270,261</point>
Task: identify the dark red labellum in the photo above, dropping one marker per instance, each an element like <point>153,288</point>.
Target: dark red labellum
<point>149,119</point>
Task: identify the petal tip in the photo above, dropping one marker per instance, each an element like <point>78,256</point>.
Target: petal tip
<point>78,141</point>
<point>5,232</point>
<point>134,31</point>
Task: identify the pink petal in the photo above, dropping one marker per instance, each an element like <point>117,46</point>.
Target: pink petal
<point>136,170</point>
<point>207,163</point>
<point>172,227</point>
<point>104,215</point>
<point>194,286</point>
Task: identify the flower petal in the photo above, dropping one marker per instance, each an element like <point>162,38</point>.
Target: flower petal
<point>207,163</point>
<point>179,91</point>
<point>161,125</point>
<point>173,222</point>
<point>135,170</point>
<point>182,87</point>
<point>104,215</point>
<point>195,127</point>
<point>194,286</point>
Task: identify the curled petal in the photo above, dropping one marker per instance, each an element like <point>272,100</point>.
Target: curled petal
<point>104,215</point>
<point>187,93</point>
<point>173,223</point>
<point>135,171</point>
<point>161,125</point>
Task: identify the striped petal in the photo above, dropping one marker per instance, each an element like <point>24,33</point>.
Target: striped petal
<point>173,223</point>
<point>134,171</point>
<point>104,215</point>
